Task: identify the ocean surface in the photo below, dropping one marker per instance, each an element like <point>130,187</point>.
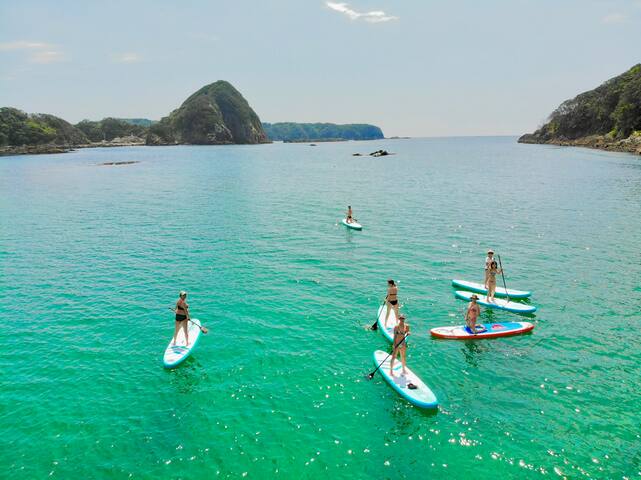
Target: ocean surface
<point>92,256</point>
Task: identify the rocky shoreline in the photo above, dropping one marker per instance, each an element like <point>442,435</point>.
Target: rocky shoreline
<point>50,148</point>
<point>632,144</point>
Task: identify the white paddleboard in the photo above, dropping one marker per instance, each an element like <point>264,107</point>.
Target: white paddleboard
<point>497,303</point>
<point>388,332</point>
<point>500,291</point>
<point>176,354</point>
<point>352,225</point>
<point>421,396</point>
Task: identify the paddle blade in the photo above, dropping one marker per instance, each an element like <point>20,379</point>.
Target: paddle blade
<point>204,330</point>
<point>370,375</point>
<point>374,326</point>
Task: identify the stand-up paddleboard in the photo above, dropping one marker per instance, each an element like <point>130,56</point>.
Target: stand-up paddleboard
<point>483,330</point>
<point>176,354</point>
<point>498,303</point>
<point>421,396</point>
<point>353,225</point>
<point>388,332</point>
<point>500,291</point>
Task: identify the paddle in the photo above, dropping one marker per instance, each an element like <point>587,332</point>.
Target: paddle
<point>202,329</point>
<point>371,375</point>
<point>504,285</point>
<point>375,324</point>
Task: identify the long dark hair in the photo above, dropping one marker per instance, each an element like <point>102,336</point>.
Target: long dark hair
<point>391,282</point>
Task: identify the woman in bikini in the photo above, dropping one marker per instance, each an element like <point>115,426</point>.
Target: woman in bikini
<point>491,280</point>
<point>349,218</point>
<point>472,314</point>
<point>182,317</point>
<point>401,331</point>
<point>391,299</point>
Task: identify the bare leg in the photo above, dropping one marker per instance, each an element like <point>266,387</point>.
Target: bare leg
<point>403,361</point>
<point>388,306</point>
<point>485,281</point>
<point>186,329</point>
<point>391,365</point>
<point>176,329</point>
<point>396,310</point>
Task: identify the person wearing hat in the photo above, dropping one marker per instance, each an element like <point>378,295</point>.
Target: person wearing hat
<point>401,331</point>
<point>472,314</point>
<point>488,261</point>
<point>182,316</point>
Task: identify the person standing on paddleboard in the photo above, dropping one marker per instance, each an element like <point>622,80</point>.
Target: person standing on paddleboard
<point>391,299</point>
<point>401,331</point>
<point>472,314</point>
<point>491,280</point>
<point>182,316</point>
<point>349,218</point>
<point>488,261</point>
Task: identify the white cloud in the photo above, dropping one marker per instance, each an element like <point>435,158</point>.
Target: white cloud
<point>47,56</point>
<point>613,18</point>
<point>127,57</point>
<point>375,16</point>
<point>38,52</point>
<point>23,45</point>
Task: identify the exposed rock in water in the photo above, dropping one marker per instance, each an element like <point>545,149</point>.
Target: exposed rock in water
<point>214,115</point>
<point>608,117</point>
<point>380,153</point>
<point>129,162</point>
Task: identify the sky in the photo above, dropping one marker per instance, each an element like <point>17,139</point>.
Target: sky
<point>412,67</point>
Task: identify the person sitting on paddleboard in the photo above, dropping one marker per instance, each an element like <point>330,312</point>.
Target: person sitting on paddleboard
<point>472,313</point>
<point>182,316</point>
<point>491,280</point>
<point>401,331</point>
<point>349,218</point>
<point>488,261</point>
<point>391,299</point>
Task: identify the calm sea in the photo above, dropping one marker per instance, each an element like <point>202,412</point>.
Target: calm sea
<point>91,256</point>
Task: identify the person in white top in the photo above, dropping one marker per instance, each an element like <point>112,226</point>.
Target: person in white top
<point>488,261</point>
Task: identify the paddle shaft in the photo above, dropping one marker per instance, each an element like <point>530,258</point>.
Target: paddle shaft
<point>371,375</point>
<point>503,276</point>
<point>375,324</point>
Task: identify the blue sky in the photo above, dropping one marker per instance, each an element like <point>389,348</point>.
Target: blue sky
<point>413,67</point>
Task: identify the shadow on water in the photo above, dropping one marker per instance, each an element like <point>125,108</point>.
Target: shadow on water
<point>472,351</point>
<point>405,419</point>
<point>186,377</point>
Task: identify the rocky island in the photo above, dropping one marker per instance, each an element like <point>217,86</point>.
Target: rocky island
<point>608,117</point>
<point>217,114</point>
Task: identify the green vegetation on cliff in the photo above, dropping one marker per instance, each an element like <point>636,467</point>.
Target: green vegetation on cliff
<point>110,128</point>
<point>612,109</point>
<point>19,128</point>
<point>296,132</point>
<point>215,114</point>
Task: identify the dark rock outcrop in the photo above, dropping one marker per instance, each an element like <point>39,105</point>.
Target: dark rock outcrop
<point>216,114</point>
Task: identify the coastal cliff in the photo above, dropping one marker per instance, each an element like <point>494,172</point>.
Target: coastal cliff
<point>608,117</point>
<point>216,114</point>
<point>21,132</point>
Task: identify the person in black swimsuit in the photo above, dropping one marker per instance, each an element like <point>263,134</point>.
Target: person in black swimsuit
<point>182,316</point>
<point>391,299</point>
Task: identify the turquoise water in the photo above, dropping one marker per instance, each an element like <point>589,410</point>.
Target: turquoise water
<point>92,256</point>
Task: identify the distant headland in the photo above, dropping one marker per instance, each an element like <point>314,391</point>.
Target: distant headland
<point>217,114</point>
<point>608,117</point>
